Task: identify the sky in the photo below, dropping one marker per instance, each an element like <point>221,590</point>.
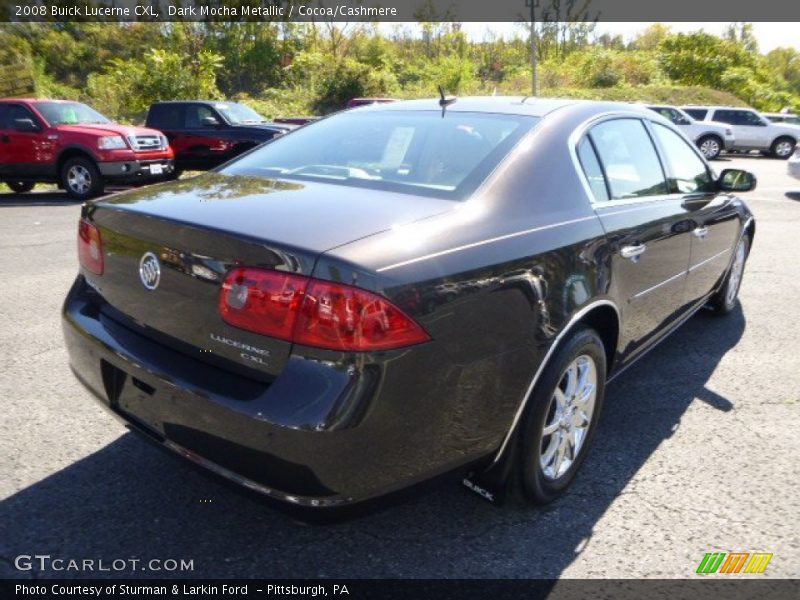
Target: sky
<point>769,35</point>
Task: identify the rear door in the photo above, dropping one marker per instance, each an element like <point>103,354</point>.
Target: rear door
<point>715,224</point>
<point>647,227</point>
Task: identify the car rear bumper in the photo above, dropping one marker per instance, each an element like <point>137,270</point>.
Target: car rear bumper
<point>136,170</point>
<point>364,447</point>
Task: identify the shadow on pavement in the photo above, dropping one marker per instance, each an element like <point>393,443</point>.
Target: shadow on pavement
<point>131,500</point>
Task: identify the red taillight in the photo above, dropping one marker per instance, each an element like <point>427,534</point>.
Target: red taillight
<point>262,301</point>
<point>90,247</point>
<point>315,313</point>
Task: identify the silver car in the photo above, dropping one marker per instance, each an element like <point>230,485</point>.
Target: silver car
<point>751,129</point>
<point>711,138</point>
<point>794,164</point>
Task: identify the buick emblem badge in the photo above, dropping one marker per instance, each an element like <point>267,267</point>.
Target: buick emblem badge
<point>150,270</point>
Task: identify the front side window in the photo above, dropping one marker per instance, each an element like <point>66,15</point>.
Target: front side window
<point>629,159</point>
<point>751,118</point>
<point>419,152</point>
<point>195,115</point>
<point>70,113</point>
<point>688,173</point>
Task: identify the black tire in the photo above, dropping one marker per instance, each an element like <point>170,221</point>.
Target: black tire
<point>726,298</point>
<point>710,146</point>
<point>20,187</point>
<point>783,147</point>
<point>81,178</point>
<point>536,486</point>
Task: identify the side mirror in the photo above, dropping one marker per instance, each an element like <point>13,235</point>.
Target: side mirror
<point>209,122</point>
<point>736,180</point>
<point>25,125</point>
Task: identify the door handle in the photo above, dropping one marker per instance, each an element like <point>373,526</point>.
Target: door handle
<point>632,252</point>
<point>700,232</point>
<point>5,139</point>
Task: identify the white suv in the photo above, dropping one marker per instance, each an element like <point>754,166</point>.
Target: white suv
<point>711,138</point>
<point>751,130</point>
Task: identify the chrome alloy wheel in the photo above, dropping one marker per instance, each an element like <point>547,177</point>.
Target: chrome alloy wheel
<point>784,148</point>
<point>735,278</point>
<point>568,417</point>
<point>79,179</point>
<point>710,148</point>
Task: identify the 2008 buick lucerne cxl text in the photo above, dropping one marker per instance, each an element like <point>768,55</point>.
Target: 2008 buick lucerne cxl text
<point>403,290</point>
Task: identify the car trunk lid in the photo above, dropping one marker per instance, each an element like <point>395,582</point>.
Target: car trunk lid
<point>199,229</point>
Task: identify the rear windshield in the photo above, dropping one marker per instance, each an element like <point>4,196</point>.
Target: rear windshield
<point>416,152</point>
<point>70,113</point>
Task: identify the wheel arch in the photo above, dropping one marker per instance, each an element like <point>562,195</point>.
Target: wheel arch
<point>784,136</point>
<point>600,314</point>
<point>73,152</point>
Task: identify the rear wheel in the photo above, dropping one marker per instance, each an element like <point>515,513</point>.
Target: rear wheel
<point>20,187</point>
<point>783,147</point>
<point>724,301</point>
<point>81,178</point>
<point>561,417</point>
<point>710,146</point>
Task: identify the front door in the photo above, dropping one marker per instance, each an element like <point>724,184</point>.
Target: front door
<point>24,153</point>
<point>714,221</point>
<point>748,128</point>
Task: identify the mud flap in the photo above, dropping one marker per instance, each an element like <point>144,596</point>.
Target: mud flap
<point>492,482</point>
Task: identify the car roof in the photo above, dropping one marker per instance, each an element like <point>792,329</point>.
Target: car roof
<point>717,107</point>
<point>34,100</point>
<point>512,105</point>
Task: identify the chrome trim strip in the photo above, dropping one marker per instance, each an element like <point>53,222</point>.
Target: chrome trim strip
<point>708,260</point>
<point>520,411</point>
<point>484,242</point>
<point>658,285</point>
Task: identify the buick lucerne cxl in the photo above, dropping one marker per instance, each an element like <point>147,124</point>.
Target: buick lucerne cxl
<point>404,290</point>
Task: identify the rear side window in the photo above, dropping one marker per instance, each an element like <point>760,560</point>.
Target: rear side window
<point>630,161</point>
<point>418,152</point>
<point>166,116</point>
<point>4,124</point>
<point>696,113</point>
<point>688,173</point>
<point>593,170</point>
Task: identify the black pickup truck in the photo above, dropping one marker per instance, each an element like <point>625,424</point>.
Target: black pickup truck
<point>204,134</point>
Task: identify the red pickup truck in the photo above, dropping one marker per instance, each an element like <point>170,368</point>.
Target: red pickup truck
<point>74,146</point>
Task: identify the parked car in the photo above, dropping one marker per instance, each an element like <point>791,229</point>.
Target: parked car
<point>794,164</point>
<point>711,138</point>
<point>286,338</point>
<point>294,120</point>
<point>789,118</point>
<point>355,102</point>
<point>74,146</point>
<point>751,130</point>
<point>206,134</point>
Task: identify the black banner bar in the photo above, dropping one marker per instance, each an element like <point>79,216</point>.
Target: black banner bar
<point>730,588</point>
<point>398,10</point>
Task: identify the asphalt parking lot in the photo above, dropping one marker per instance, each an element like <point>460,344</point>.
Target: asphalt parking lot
<point>697,449</point>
